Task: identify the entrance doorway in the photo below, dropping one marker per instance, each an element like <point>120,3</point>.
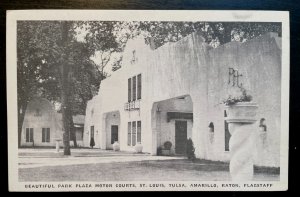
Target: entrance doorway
<point>172,120</point>
<point>114,133</point>
<point>180,136</point>
<point>111,125</point>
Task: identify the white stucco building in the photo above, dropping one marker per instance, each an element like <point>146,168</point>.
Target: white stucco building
<point>42,125</point>
<point>175,92</point>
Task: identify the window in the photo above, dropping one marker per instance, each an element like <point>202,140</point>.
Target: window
<point>139,128</point>
<point>139,86</point>
<point>211,126</point>
<point>227,133</point>
<point>129,89</point>
<point>79,133</point>
<point>134,133</point>
<point>46,135</point>
<point>29,134</point>
<point>114,134</point>
<point>129,134</point>
<point>134,88</point>
<point>262,124</point>
<point>92,131</point>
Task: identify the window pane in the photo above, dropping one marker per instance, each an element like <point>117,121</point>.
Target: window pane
<point>43,135</point>
<point>79,133</point>
<point>139,88</point>
<point>129,134</point>
<point>129,89</point>
<point>48,135</point>
<point>27,134</point>
<point>92,131</point>
<point>114,134</point>
<point>139,131</point>
<point>31,134</point>
<point>133,133</point>
<point>134,88</point>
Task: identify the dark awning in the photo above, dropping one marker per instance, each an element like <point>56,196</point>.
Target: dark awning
<point>179,115</point>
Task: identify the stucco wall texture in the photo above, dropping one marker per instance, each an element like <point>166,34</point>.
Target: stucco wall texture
<point>192,69</point>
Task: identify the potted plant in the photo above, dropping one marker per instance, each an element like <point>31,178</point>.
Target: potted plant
<point>159,151</point>
<point>138,147</point>
<point>240,109</point>
<point>116,146</point>
<point>167,148</point>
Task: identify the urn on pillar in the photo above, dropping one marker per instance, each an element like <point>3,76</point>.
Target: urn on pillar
<point>240,117</point>
<point>138,147</point>
<point>116,146</point>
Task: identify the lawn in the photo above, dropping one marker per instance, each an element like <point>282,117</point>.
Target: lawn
<point>164,170</point>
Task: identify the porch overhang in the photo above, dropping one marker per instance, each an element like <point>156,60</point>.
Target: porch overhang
<point>179,115</point>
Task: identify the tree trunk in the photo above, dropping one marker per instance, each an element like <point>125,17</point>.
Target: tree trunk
<point>73,132</point>
<point>65,91</point>
<point>20,121</point>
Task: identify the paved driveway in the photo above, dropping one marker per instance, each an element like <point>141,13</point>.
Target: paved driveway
<point>32,158</point>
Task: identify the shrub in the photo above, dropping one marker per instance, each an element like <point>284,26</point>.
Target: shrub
<point>190,149</point>
<point>159,151</point>
<point>92,142</point>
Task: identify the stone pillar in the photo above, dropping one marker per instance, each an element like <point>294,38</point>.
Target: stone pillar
<point>241,146</point>
<point>154,127</point>
<point>241,119</point>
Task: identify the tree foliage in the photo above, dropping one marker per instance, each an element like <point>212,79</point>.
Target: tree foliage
<point>214,33</point>
<point>40,55</point>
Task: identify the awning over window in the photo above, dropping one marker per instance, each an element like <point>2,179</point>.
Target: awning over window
<point>179,115</point>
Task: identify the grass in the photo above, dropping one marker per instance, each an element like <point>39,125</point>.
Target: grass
<point>166,170</point>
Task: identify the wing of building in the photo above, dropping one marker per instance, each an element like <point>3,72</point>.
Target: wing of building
<point>175,92</point>
<point>42,125</point>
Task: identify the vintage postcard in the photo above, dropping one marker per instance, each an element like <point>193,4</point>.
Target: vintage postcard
<point>115,100</point>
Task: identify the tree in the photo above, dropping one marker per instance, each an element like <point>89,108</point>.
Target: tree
<point>108,38</point>
<point>56,66</point>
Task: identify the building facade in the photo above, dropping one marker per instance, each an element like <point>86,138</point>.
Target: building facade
<point>42,125</point>
<point>175,92</point>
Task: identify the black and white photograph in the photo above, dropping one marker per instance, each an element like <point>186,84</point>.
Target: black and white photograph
<point>148,100</point>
